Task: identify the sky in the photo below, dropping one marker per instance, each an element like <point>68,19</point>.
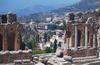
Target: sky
<point>15,5</point>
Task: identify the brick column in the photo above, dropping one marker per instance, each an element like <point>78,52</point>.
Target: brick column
<point>17,39</point>
<point>16,44</point>
<point>5,45</point>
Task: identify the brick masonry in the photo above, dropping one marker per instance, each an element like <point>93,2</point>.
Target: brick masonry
<point>9,58</point>
<point>82,52</point>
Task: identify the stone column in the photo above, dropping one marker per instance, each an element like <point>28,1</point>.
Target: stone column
<point>99,44</point>
<point>73,38</point>
<point>86,36</point>
<point>98,48</point>
<point>94,40</point>
<point>70,39</point>
<point>90,38</point>
<point>94,35</point>
<point>76,33</point>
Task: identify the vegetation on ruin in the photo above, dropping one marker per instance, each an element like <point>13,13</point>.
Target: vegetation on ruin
<point>38,51</point>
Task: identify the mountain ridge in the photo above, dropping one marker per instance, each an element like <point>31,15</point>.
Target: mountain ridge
<point>82,5</point>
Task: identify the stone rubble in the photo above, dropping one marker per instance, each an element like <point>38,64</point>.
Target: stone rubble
<point>58,61</point>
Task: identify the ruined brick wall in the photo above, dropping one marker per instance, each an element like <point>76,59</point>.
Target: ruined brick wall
<point>9,57</point>
<point>10,36</point>
<point>82,52</point>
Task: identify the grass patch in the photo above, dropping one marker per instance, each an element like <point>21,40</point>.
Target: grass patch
<point>47,50</point>
<point>38,51</point>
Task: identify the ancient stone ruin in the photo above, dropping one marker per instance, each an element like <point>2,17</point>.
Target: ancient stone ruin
<point>81,34</point>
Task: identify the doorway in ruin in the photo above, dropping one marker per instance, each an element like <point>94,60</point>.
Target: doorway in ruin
<point>79,38</point>
<point>11,38</point>
<point>1,42</point>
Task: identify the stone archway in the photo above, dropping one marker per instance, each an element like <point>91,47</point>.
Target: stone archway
<point>1,42</point>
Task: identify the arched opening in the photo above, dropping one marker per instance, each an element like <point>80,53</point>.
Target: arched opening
<point>11,38</point>
<point>22,46</point>
<point>1,38</point>
<point>79,38</point>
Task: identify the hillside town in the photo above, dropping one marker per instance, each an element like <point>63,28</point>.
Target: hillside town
<point>72,39</point>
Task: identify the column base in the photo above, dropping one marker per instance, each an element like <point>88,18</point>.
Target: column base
<point>86,47</point>
<point>98,55</point>
<point>75,49</point>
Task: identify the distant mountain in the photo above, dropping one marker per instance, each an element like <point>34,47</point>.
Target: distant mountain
<point>34,9</point>
<point>37,17</point>
<point>82,5</point>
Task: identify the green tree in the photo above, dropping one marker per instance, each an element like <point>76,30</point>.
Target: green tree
<point>55,45</point>
<point>45,37</point>
<point>31,43</point>
<point>64,25</point>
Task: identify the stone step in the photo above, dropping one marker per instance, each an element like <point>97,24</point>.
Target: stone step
<point>86,60</point>
<point>89,63</point>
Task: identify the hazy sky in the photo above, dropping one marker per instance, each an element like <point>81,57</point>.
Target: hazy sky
<point>13,5</point>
